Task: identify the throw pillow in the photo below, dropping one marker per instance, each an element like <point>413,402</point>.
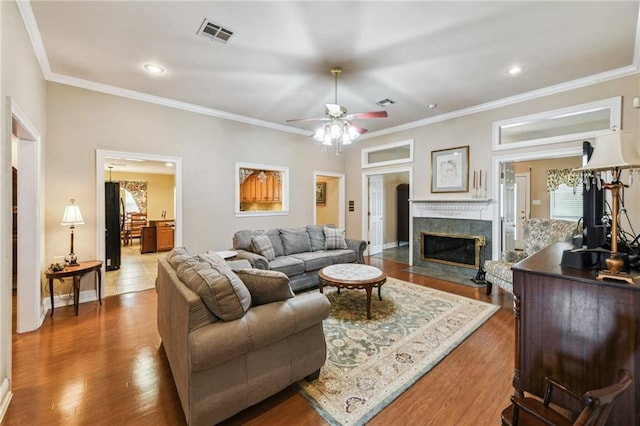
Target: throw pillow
<point>261,244</point>
<point>295,241</point>
<point>334,239</point>
<point>176,256</point>
<point>220,289</point>
<point>266,286</point>
<point>316,237</point>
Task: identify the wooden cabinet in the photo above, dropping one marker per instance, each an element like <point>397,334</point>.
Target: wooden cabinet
<point>576,329</point>
<point>158,236</point>
<point>164,238</point>
<point>257,190</point>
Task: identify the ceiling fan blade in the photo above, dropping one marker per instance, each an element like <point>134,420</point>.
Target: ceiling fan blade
<point>357,128</point>
<point>370,114</point>
<point>307,119</point>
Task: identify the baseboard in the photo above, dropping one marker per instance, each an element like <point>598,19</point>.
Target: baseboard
<point>66,300</point>
<point>5,398</point>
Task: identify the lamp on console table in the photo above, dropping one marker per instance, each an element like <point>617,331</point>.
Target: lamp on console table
<point>72,217</point>
<point>613,152</point>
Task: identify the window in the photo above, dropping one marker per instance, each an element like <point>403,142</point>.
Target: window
<point>261,190</point>
<point>130,203</point>
<point>566,202</point>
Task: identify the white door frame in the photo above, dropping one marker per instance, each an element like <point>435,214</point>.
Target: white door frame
<point>515,157</point>
<point>523,181</point>
<point>30,311</point>
<point>341,195</point>
<point>365,202</point>
<point>101,156</point>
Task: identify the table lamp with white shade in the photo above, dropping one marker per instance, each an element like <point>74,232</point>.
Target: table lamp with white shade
<point>614,152</point>
<point>72,217</point>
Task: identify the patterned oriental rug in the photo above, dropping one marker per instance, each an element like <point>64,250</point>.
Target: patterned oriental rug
<point>371,362</point>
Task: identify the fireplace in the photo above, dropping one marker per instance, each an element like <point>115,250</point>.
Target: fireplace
<point>452,249</point>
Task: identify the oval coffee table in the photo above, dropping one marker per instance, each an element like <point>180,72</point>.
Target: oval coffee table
<point>353,276</point>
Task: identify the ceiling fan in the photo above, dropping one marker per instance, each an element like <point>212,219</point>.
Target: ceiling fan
<point>338,125</point>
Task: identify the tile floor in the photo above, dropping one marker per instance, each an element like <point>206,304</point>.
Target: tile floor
<point>137,271</point>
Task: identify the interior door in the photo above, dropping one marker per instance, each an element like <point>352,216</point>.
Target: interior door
<point>376,214</point>
<point>508,211</point>
<point>523,197</point>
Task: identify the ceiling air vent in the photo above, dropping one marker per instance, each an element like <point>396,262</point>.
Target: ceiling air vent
<point>215,31</point>
<point>385,102</point>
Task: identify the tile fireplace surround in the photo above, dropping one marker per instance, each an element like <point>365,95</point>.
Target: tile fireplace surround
<point>472,216</point>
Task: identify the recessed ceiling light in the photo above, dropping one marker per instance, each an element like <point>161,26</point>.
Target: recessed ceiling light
<point>168,164</point>
<point>154,69</point>
<point>515,70</point>
<point>432,106</point>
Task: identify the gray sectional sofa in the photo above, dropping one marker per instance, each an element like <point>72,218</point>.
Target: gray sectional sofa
<point>234,337</point>
<point>298,252</point>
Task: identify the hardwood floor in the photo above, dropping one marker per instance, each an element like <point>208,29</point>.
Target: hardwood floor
<point>107,366</point>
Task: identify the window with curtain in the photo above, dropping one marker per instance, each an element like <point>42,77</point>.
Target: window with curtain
<point>565,194</point>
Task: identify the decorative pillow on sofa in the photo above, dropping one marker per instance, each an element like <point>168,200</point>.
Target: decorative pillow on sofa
<point>261,244</point>
<point>265,286</point>
<point>176,256</point>
<point>316,237</point>
<point>221,290</point>
<point>295,241</point>
<point>334,238</point>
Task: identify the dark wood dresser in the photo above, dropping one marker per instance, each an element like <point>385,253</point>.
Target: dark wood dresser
<point>576,329</point>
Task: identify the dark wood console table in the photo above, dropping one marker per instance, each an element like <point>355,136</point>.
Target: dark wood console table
<point>576,329</point>
<point>76,272</point>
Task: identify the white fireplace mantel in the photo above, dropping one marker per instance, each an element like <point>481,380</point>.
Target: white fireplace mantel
<point>454,208</point>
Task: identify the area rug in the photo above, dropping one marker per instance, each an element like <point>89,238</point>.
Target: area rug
<point>371,362</point>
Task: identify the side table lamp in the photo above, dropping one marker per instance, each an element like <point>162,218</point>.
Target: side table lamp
<point>71,218</point>
<point>613,152</point>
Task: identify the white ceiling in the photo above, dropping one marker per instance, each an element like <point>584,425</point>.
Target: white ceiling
<point>276,66</point>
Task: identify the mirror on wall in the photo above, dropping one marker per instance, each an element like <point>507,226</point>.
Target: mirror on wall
<point>261,190</point>
<point>389,154</point>
<point>561,125</point>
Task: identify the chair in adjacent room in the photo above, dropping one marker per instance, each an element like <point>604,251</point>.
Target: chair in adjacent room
<point>596,405</point>
<point>136,222</point>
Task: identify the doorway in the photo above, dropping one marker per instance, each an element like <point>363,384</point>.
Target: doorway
<point>329,205</point>
<point>380,210</point>
<point>26,149</point>
<point>506,193</point>
<point>136,270</point>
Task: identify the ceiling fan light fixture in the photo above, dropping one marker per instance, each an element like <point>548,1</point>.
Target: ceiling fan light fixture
<point>336,130</point>
<point>346,139</point>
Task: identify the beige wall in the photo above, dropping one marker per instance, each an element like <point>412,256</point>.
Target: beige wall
<point>538,177</point>
<point>476,130</point>
<point>159,191</point>
<point>330,213</point>
<point>209,148</point>
<point>22,80</point>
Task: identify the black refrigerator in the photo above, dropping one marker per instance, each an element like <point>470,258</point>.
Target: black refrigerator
<point>112,224</point>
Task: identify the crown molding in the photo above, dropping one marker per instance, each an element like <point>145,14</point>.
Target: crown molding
<point>534,94</point>
<point>171,103</point>
<point>33,31</point>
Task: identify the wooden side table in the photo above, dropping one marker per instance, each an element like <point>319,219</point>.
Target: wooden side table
<point>77,272</point>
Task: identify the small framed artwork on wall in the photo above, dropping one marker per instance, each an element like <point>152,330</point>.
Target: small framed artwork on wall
<point>450,170</point>
<point>321,193</point>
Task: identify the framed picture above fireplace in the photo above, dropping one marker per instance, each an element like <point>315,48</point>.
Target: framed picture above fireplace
<point>450,170</point>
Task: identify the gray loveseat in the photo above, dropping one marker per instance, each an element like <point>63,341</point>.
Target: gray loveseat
<point>234,337</point>
<point>298,252</point>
